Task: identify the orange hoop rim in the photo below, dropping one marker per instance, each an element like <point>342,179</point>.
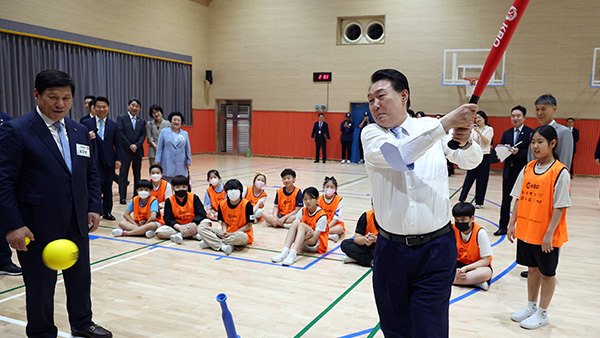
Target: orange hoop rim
<point>472,80</point>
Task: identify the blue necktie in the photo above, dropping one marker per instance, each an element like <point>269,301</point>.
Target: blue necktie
<point>101,129</point>
<point>516,136</point>
<point>133,122</point>
<point>66,151</point>
<point>400,135</point>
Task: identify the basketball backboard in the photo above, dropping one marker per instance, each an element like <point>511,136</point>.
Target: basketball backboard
<point>460,65</point>
<point>595,80</point>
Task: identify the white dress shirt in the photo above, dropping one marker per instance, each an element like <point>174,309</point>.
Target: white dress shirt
<point>416,201</point>
<point>53,130</point>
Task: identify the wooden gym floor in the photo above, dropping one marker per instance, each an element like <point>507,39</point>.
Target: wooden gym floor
<point>151,288</point>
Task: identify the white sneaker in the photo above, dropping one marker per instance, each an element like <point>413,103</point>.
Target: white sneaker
<point>203,245</point>
<point>361,161</point>
<point>197,237</point>
<point>177,238</point>
<point>523,314</point>
<point>150,233</point>
<point>478,206</point>
<point>536,320</point>
<point>118,232</point>
<point>278,258</point>
<point>348,260</point>
<point>290,259</point>
<point>483,286</point>
<point>227,249</point>
<point>287,225</point>
<point>334,237</point>
<point>343,161</point>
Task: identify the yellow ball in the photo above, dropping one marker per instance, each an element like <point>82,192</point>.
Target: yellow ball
<point>60,254</point>
<point>27,241</point>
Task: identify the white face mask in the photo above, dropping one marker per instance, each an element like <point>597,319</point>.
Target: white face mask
<point>329,192</point>
<point>259,184</point>
<point>214,181</point>
<point>234,194</point>
<point>155,177</point>
<point>143,194</point>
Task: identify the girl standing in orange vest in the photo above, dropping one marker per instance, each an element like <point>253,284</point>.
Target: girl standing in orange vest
<point>538,221</point>
<point>309,232</point>
<point>214,194</point>
<point>333,205</point>
<point>474,261</point>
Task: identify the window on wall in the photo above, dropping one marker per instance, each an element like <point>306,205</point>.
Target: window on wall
<point>96,71</point>
<point>361,30</point>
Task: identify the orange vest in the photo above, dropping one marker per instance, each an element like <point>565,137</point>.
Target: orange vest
<point>285,203</point>
<point>143,212</point>
<point>371,227</point>
<point>160,193</point>
<point>468,252</point>
<point>311,221</point>
<point>183,214</point>
<point>215,197</point>
<point>331,208</point>
<point>236,218</point>
<point>250,195</point>
<point>535,206</point>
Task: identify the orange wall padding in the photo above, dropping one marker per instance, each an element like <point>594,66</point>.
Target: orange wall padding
<point>583,163</point>
<point>287,134</point>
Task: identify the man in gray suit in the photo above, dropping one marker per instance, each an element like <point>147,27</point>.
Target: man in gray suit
<point>133,133</point>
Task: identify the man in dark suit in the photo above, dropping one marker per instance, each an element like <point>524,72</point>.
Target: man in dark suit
<point>133,133</point>
<point>50,190</point>
<point>106,148</point>
<point>575,133</point>
<point>514,163</point>
<point>89,110</point>
<point>320,134</point>
<point>7,267</point>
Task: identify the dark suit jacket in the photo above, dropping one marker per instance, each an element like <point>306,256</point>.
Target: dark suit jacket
<point>324,131</point>
<point>108,149</point>
<point>130,136</point>
<point>575,133</point>
<point>519,160</point>
<point>37,189</point>
<point>84,117</point>
<point>4,117</point>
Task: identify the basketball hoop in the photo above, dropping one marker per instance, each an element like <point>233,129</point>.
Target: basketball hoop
<point>470,85</point>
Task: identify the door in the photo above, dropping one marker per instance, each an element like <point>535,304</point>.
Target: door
<point>358,110</point>
<point>235,120</point>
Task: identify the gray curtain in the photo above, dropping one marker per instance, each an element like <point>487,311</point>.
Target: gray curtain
<point>118,76</point>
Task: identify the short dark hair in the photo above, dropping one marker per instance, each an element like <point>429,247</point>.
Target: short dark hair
<point>484,115</point>
<point>154,107</point>
<point>521,108</point>
<point>213,171</point>
<point>398,80</point>
<point>330,179</point>
<point>546,99</point>
<point>144,184</point>
<point>89,97</point>
<point>421,113</point>
<point>134,99</point>
<point>99,98</point>
<point>311,192</point>
<point>288,171</point>
<point>233,184</point>
<point>570,119</point>
<point>53,78</point>
<point>462,209</point>
<point>180,180</point>
<point>321,114</point>
<point>155,166</point>
<point>411,112</point>
<point>175,113</point>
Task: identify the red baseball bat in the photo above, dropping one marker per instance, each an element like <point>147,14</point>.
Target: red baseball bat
<point>498,48</point>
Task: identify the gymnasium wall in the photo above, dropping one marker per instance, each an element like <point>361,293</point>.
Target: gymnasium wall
<point>178,26</point>
<point>266,50</point>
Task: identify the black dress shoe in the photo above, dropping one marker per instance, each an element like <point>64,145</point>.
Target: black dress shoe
<point>317,161</point>
<point>11,269</point>
<point>500,232</point>
<point>123,201</point>
<point>108,216</point>
<point>524,274</point>
<point>94,331</point>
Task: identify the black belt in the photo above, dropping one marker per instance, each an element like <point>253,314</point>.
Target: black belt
<point>413,240</point>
